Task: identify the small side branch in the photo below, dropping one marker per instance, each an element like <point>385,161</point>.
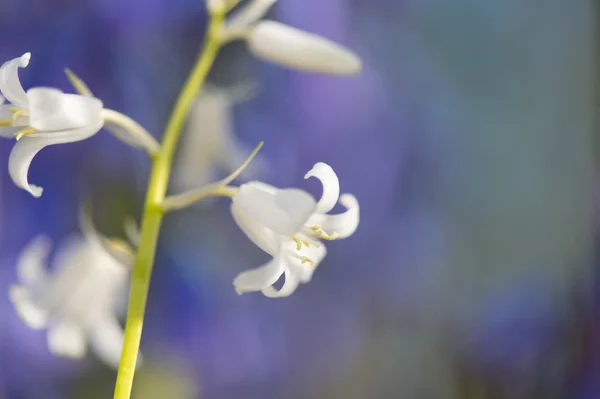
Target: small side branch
<point>218,189</point>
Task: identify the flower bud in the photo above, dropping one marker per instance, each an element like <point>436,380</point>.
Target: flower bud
<point>296,49</point>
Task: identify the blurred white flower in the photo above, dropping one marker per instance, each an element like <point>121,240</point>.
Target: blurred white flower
<point>209,143</point>
<point>287,46</point>
<point>78,301</point>
<point>40,117</point>
<point>289,224</point>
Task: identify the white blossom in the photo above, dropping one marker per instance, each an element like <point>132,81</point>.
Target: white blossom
<point>78,301</point>
<point>209,143</point>
<point>289,225</point>
<point>40,117</point>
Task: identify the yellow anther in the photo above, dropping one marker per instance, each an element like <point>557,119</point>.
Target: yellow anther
<point>309,260</point>
<point>319,233</point>
<point>19,113</point>
<point>25,132</point>
<point>298,242</point>
<point>6,123</point>
<point>329,237</point>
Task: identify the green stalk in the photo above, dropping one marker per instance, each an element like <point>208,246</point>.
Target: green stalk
<point>153,213</point>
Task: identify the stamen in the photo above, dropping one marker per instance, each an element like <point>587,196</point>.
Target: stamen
<point>309,260</point>
<point>328,237</point>
<point>319,233</point>
<point>6,123</point>
<point>25,132</point>
<point>299,243</point>
<point>18,113</point>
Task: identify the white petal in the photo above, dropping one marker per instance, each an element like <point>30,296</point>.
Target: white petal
<point>262,237</point>
<point>284,212</point>
<point>259,278</point>
<point>31,265</point>
<point>107,341</point>
<point>22,299</point>
<point>343,224</point>
<point>52,110</point>
<point>289,286</point>
<point>25,149</point>
<point>293,48</point>
<point>331,186</point>
<point>10,86</point>
<point>67,339</point>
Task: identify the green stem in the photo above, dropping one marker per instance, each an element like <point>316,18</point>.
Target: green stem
<point>153,213</point>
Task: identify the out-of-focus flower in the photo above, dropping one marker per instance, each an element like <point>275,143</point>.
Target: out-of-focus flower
<point>40,117</point>
<point>289,224</point>
<point>78,301</point>
<point>287,46</point>
<point>209,143</point>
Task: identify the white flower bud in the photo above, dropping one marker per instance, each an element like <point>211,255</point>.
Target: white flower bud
<point>297,49</point>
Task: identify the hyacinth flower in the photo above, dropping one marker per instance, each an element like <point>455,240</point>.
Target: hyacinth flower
<point>45,116</point>
<point>287,46</point>
<point>78,302</point>
<point>288,224</point>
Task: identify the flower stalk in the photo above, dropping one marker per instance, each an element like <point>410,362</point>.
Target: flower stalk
<point>153,208</point>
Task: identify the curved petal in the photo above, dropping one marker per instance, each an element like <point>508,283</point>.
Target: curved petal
<point>28,310</point>
<point>31,265</point>
<point>67,339</point>
<point>296,49</point>
<point>10,86</point>
<point>262,237</point>
<point>343,224</point>
<point>53,110</point>
<point>289,286</point>
<point>259,278</point>
<point>284,212</point>
<point>25,149</point>
<point>331,186</point>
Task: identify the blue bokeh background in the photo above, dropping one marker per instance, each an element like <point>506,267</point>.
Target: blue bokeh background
<point>469,140</point>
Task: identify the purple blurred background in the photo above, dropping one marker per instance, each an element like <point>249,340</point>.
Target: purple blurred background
<point>469,140</point>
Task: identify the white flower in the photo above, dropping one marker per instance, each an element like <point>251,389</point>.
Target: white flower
<point>209,142</point>
<point>290,47</point>
<point>288,224</point>
<point>40,117</point>
<point>78,301</point>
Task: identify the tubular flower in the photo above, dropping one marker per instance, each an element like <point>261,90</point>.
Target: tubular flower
<point>210,144</point>
<point>287,46</point>
<point>290,225</point>
<point>40,117</point>
<point>78,302</point>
